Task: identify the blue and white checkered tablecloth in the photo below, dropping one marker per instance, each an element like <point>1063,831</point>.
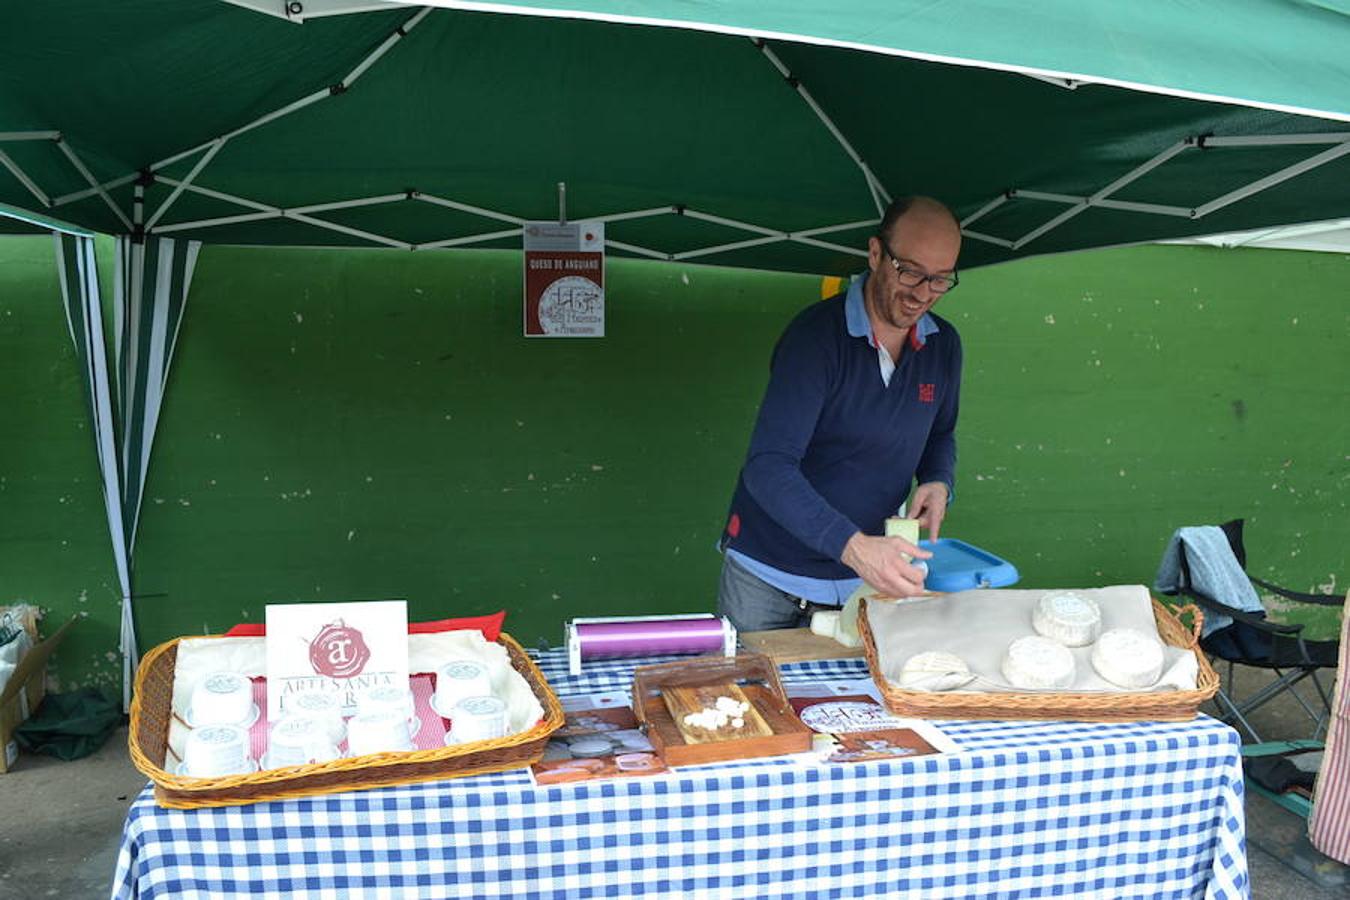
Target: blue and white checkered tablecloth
<point>1028,809</point>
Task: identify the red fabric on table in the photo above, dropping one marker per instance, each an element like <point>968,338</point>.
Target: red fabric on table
<point>490,625</point>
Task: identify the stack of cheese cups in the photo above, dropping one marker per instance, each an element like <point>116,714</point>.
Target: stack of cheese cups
<point>222,698</point>
<point>390,698</point>
<point>214,751</point>
<point>309,730</point>
<point>220,711</point>
<point>379,731</point>
<point>464,696</point>
<point>385,721</point>
<point>298,740</point>
<point>320,705</point>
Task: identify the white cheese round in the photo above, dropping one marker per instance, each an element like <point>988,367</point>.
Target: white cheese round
<point>1128,658</point>
<point>1034,662</point>
<point>934,671</point>
<point>1073,620</point>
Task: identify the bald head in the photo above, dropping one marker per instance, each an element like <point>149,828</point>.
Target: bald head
<point>920,230</point>
<point>919,214</point>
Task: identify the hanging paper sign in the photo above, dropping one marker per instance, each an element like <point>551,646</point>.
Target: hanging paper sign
<point>565,279</point>
<point>339,648</point>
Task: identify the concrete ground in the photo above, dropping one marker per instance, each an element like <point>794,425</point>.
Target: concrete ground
<point>60,823</point>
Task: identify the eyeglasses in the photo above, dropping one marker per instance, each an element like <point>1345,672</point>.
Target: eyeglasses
<point>912,277</point>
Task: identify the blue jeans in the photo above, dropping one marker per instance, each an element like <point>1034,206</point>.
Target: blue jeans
<point>753,605</point>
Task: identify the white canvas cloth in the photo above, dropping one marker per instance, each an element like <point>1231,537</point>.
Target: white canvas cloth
<point>978,625</point>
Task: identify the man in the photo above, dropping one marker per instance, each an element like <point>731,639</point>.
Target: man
<point>862,401</point>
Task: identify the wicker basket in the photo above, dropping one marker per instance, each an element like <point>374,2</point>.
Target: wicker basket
<point>1124,706</point>
<point>152,709</point>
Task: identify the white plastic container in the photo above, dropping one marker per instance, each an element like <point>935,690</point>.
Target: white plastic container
<point>458,680</point>
<point>297,740</point>
<point>222,698</point>
<point>477,719</point>
<point>214,751</point>
<point>378,732</point>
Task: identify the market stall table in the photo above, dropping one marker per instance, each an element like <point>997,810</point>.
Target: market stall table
<point>1032,809</point>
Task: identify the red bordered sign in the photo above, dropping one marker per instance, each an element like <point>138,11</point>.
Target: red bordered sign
<point>565,279</point>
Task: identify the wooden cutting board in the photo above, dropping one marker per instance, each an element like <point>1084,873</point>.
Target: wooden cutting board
<point>682,701</point>
<point>787,645</point>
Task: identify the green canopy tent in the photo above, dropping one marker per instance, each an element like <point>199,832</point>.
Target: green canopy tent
<point>756,133</point>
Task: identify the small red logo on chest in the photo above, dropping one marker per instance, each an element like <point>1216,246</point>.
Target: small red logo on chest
<point>926,393</point>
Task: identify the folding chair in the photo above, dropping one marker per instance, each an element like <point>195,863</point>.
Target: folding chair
<point>1252,640</point>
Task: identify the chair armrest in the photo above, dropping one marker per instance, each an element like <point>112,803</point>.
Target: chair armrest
<point>1238,615</point>
<point>1299,596</point>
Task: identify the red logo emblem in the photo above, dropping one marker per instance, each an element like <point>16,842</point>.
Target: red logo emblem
<point>926,393</point>
<point>339,651</point>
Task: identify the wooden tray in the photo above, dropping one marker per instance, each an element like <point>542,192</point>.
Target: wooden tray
<point>1125,706</point>
<point>753,674</point>
<point>152,709</point>
<point>786,645</point>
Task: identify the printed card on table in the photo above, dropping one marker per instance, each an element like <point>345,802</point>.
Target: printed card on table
<point>856,727</point>
<point>345,648</point>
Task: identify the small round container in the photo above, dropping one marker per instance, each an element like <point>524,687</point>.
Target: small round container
<point>631,739</point>
<point>554,751</point>
<point>585,747</point>
<point>477,719</point>
<point>636,762</point>
<point>213,751</point>
<point>386,697</point>
<point>378,732</point>
<point>298,740</point>
<point>392,698</point>
<point>320,705</point>
<point>458,680</point>
<point>222,698</point>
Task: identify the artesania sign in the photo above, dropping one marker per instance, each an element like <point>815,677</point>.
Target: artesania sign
<point>565,279</point>
<point>342,648</point>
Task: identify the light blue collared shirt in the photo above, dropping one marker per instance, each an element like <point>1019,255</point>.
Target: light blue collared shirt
<point>860,326</point>
<point>829,591</point>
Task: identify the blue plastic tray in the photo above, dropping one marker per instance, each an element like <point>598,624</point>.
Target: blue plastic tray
<point>958,566</point>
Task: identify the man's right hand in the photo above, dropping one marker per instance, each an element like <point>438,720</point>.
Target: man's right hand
<point>880,562</point>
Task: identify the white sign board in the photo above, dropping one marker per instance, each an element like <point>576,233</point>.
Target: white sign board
<point>342,648</point>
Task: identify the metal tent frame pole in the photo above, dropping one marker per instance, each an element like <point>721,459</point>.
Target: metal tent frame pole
<point>1339,146</point>
<point>879,194</point>
<point>757,235</point>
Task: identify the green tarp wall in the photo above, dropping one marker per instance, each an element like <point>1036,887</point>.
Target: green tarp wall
<point>363,424</point>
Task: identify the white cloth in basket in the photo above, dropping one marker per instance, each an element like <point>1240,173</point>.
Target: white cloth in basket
<point>978,626</point>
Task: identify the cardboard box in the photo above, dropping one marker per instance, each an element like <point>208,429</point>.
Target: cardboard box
<point>23,693</point>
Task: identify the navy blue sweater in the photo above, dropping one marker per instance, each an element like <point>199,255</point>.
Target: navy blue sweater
<point>834,450</point>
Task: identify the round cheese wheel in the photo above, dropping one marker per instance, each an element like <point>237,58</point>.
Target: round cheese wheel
<point>1034,662</point>
<point>1128,658</point>
<point>935,671</point>
<point>1071,619</point>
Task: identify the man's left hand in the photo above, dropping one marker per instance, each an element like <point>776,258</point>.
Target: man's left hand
<point>928,504</point>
